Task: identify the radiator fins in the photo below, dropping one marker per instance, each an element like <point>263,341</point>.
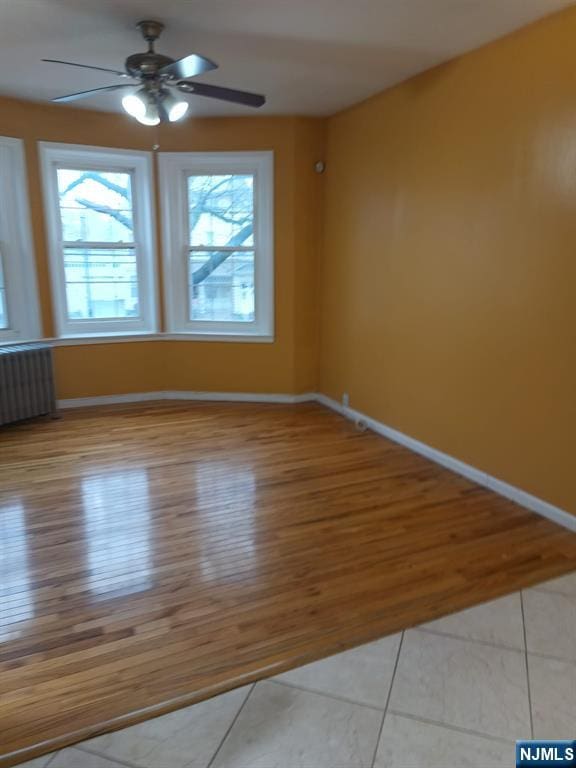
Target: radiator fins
<point>26,382</point>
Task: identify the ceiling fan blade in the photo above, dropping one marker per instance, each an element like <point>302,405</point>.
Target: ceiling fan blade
<point>86,94</point>
<point>189,66</point>
<point>225,94</point>
<point>87,66</point>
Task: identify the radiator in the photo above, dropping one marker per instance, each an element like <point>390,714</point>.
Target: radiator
<point>26,382</point>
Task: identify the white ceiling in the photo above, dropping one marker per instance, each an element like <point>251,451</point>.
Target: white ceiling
<point>310,57</point>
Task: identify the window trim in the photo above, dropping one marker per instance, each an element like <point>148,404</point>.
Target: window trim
<point>173,168</point>
<point>139,165</point>
<point>16,246</point>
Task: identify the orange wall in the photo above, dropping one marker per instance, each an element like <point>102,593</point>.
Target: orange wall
<point>449,268</point>
<point>180,365</point>
<point>309,212</point>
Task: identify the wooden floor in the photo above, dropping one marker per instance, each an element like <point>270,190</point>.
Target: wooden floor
<point>154,555</point>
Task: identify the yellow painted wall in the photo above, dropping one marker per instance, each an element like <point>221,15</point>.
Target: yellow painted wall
<point>310,141</point>
<point>91,370</point>
<point>449,264</point>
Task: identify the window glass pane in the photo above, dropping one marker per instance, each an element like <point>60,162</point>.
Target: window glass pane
<point>101,283</point>
<point>95,206</point>
<point>3,309</point>
<point>221,286</point>
<point>221,210</point>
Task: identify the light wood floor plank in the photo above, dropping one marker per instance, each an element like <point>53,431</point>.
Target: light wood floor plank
<point>157,554</point>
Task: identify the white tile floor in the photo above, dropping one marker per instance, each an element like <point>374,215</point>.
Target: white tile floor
<point>453,693</point>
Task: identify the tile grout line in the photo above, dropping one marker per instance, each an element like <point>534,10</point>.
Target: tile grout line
<point>51,758</point>
<point>543,588</point>
<point>332,696</point>
<point>527,666</point>
<point>563,659</point>
<point>112,760</point>
<point>229,729</point>
<point>379,738</point>
<point>450,727</point>
<point>466,639</point>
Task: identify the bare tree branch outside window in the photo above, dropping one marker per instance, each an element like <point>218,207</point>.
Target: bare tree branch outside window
<point>204,202</point>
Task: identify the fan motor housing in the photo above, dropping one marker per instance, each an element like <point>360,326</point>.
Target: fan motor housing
<point>146,65</point>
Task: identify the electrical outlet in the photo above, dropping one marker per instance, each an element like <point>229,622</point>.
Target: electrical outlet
<point>346,400</point>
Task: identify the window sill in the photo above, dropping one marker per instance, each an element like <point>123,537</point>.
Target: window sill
<point>115,338</point>
<point>245,338</point>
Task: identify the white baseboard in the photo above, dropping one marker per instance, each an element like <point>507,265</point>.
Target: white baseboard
<point>524,499</point>
<point>86,402</point>
<point>142,397</point>
<point>240,397</point>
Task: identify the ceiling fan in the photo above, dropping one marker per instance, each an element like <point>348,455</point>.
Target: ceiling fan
<point>156,96</point>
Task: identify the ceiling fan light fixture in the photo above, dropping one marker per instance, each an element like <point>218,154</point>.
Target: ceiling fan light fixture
<point>175,108</point>
<point>142,106</point>
<point>150,118</point>
<point>178,111</point>
<point>151,114</point>
<point>134,105</point>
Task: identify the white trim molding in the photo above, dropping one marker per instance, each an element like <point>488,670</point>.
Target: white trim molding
<point>132,338</point>
<point>524,499</point>
<point>223,397</point>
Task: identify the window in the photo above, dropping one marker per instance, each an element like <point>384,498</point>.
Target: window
<point>19,318</point>
<point>100,225</point>
<point>218,243</point>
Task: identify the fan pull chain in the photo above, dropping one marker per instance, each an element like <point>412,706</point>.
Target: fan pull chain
<point>156,141</point>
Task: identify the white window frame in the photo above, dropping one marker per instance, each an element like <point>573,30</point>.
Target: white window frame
<point>175,167</point>
<point>139,165</point>
<point>16,249</point>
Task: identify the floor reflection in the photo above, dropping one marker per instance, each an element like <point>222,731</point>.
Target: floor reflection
<point>226,496</point>
<point>16,597</point>
<point>117,513</point>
